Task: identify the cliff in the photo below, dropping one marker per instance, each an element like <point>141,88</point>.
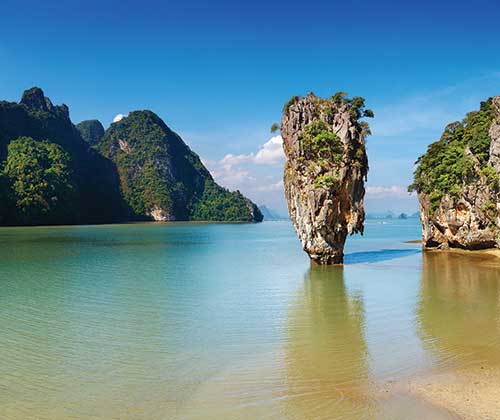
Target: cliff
<point>325,170</point>
<point>457,181</point>
<point>96,197</point>
<point>163,179</point>
<point>53,172</point>
<point>91,131</point>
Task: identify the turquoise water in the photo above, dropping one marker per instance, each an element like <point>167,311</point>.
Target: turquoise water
<point>229,321</point>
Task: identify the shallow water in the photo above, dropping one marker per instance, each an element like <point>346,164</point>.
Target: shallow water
<point>229,321</point>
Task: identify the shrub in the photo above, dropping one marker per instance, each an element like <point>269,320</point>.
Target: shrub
<point>445,166</point>
<point>290,102</point>
<point>324,181</point>
<point>40,181</point>
<point>318,141</point>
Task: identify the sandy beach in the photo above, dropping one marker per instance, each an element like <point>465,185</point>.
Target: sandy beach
<point>471,393</point>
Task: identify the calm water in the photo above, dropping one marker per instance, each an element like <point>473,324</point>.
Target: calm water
<point>229,322</point>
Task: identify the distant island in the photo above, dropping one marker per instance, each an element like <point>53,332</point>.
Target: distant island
<point>53,172</point>
<point>271,215</point>
<point>389,214</point>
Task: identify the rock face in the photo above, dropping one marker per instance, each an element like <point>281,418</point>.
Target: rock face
<point>457,181</point>
<point>91,131</point>
<point>98,198</point>
<point>138,169</point>
<point>162,179</point>
<point>326,167</point>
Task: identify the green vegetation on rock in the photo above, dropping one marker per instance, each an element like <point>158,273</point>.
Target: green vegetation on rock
<point>138,167</point>
<point>320,143</point>
<point>290,102</point>
<point>39,178</point>
<point>159,171</point>
<point>321,149</point>
<point>450,162</point>
<point>95,178</point>
<point>91,131</point>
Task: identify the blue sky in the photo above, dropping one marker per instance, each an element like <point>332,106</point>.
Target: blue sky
<point>219,72</point>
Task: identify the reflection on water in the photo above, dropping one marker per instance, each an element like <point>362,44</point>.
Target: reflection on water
<point>459,307</point>
<point>325,351</point>
<point>216,322</point>
<point>328,366</point>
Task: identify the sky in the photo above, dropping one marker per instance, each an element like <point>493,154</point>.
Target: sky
<point>219,72</point>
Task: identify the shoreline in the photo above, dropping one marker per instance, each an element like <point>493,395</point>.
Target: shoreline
<point>475,253</point>
<point>490,255</point>
<point>471,393</point>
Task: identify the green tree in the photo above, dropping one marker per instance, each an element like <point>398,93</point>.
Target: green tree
<point>446,166</point>
<point>40,182</point>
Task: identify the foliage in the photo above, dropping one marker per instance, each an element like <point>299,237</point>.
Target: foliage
<point>4,204</point>
<point>91,131</point>
<point>490,208</point>
<point>95,177</point>
<point>357,109</point>
<point>157,169</point>
<point>76,183</point>
<point>321,147</point>
<point>40,181</point>
<point>368,113</point>
<point>289,103</point>
<point>324,180</point>
<point>217,203</point>
<point>319,142</point>
<point>445,166</point>
<point>339,98</point>
<point>275,127</point>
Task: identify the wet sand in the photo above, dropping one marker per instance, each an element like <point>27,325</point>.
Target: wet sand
<point>471,393</point>
<point>490,256</point>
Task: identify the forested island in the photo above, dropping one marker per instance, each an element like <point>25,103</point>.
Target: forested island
<point>458,182</point>
<point>53,172</point>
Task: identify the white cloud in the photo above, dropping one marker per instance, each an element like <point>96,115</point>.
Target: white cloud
<point>257,174</point>
<point>387,191</point>
<point>431,111</point>
<point>277,186</point>
<point>227,174</point>
<point>271,152</point>
<point>232,160</point>
<point>118,117</point>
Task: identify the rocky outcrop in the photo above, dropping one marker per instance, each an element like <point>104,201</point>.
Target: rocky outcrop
<point>457,182</point>
<point>162,179</point>
<point>138,169</point>
<point>97,198</point>
<point>326,167</point>
<point>91,131</point>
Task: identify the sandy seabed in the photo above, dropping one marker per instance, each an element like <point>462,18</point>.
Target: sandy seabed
<point>470,393</point>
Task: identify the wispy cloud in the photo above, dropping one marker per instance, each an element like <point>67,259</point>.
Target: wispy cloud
<point>402,129</point>
<point>270,153</point>
<point>433,110</point>
<point>387,191</point>
<point>257,174</point>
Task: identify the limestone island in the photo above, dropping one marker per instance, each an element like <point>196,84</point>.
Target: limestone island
<point>457,181</point>
<point>53,172</point>
<point>325,171</point>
